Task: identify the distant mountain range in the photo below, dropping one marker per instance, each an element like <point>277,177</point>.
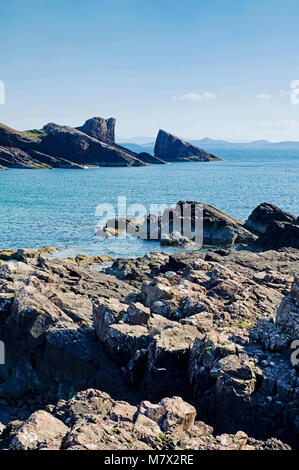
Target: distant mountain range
<point>136,145</point>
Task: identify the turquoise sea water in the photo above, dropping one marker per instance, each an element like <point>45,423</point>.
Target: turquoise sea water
<point>57,207</point>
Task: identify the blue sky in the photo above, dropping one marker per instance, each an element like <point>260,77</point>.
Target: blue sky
<point>197,68</point>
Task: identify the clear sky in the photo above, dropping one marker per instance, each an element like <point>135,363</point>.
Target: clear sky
<point>197,68</point>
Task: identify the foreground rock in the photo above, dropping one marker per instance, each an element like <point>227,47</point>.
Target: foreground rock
<point>263,216</point>
<point>92,420</point>
<point>170,148</point>
<point>278,235</point>
<point>191,220</point>
<point>215,329</point>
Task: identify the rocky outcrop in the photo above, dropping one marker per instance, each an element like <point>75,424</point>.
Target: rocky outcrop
<point>288,313</point>
<point>92,144</point>
<point>176,226</point>
<point>276,228</point>
<point>171,149</point>
<point>92,420</point>
<point>57,146</point>
<point>41,430</point>
<point>214,329</point>
<point>264,214</point>
<point>278,235</point>
<point>100,129</point>
<point>66,142</point>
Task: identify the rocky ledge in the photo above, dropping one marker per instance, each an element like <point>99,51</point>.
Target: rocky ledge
<point>88,353</point>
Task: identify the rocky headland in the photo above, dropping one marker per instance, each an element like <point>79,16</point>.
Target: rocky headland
<point>92,144</point>
<point>170,351</point>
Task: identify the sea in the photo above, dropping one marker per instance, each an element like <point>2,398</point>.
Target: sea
<point>58,207</point>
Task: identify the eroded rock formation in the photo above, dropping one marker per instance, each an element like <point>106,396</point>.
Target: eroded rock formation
<point>57,146</point>
<point>171,148</point>
<point>99,128</point>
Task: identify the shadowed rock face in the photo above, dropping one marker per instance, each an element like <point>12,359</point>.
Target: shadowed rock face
<point>83,149</point>
<point>99,128</point>
<point>278,235</point>
<point>264,214</point>
<point>170,148</point>
<point>277,228</point>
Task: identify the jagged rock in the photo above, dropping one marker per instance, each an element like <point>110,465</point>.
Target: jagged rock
<point>123,341</point>
<point>218,227</point>
<point>168,358</point>
<point>40,431</point>
<point>84,260</point>
<point>287,318</point>
<point>170,148</point>
<point>108,232</point>
<point>264,214</point>
<point>172,414</point>
<point>107,312</point>
<point>278,235</point>
<point>83,405</point>
<point>137,314</point>
<point>99,128</point>
<point>110,425</point>
<point>271,336</point>
<point>23,253</point>
<point>7,255</point>
<point>207,335</point>
<point>139,270</point>
<point>175,239</point>
<point>64,141</point>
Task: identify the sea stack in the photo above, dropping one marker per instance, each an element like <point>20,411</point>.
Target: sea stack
<point>170,148</point>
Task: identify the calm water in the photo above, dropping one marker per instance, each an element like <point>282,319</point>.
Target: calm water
<point>57,207</point>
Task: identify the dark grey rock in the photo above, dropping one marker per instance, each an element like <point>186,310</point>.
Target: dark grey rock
<point>171,148</point>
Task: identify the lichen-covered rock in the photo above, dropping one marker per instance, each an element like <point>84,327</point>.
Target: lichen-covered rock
<point>86,261</point>
<point>288,313</point>
<point>109,425</point>
<point>40,431</point>
<point>107,312</point>
<point>137,314</point>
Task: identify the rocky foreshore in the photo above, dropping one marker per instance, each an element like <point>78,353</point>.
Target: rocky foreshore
<point>193,350</point>
<point>214,329</point>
